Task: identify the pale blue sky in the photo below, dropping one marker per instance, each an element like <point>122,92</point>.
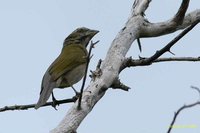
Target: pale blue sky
<point>31,35</point>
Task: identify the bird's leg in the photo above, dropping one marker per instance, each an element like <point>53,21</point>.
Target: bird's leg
<point>55,102</point>
<point>76,92</point>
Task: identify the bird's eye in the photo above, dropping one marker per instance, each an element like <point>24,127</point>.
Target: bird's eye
<point>83,38</point>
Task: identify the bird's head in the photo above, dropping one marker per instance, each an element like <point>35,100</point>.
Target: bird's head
<point>80,36</point>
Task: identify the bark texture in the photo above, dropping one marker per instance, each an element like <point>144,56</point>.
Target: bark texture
<point>136,26</point>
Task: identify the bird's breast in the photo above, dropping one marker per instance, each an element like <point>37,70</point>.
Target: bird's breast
<point>72,77</point>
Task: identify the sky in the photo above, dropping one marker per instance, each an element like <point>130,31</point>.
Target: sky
<point>31,37</point>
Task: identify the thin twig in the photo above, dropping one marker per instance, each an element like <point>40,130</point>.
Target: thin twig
<point>139,44</point>
<point>181,109</point>
<point>86,69</point>
<point>138,62</point>
<point>97,72</point>
<point>197,89</point>
<point>25,107</point>
<point>178,112</point>
<point>193,59</point>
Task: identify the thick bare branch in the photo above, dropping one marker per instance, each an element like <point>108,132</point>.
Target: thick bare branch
<point>162,28</point>
<point>109,68</point>
<point>139,7</point>
<point>178,18</point>
<point>109,72</point>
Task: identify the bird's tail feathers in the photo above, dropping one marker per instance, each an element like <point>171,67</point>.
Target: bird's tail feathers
<point>44,95</point>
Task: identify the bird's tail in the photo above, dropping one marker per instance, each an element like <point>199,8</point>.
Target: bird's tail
<point>44,96</point>
<point>46,90</point>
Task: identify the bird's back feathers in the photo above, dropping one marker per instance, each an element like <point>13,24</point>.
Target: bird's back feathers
<point>76,56</point>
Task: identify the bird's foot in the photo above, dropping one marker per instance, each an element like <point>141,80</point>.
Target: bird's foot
<point>54,102</point>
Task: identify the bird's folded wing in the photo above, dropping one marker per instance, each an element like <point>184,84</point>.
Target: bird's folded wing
<point>74,56</point>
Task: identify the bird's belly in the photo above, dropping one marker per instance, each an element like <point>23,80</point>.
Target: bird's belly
<point>72,77</point>
<point>75,75</point>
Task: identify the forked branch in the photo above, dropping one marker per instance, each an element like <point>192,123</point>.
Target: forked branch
<point>154,58</point>
<point>136,26</point>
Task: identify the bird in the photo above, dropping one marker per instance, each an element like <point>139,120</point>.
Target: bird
<point>69,67</point>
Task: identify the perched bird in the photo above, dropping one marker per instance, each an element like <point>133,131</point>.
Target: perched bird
<point>69,67</point>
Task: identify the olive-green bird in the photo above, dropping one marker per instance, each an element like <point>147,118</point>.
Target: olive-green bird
<point>69,67</point>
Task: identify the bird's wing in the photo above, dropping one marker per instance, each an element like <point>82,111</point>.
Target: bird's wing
<point>74,56</point>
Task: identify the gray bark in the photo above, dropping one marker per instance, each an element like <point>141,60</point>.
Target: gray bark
<point>135,27</point>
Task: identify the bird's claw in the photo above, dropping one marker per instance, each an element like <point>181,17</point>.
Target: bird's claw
<point>54,102</point>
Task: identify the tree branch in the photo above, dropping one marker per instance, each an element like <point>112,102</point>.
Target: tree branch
<point>139,7</point>
<point>178,18</point>
<point>25,107</point>
<point>181,109</point>
<point>179,21</point>
<point>193,59</point>
<point>153,58</point>
<point>85,76</point>
<point>129,62</point>
<point>170,44</point>
<point>109,72</point>
<point>117,84</point>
